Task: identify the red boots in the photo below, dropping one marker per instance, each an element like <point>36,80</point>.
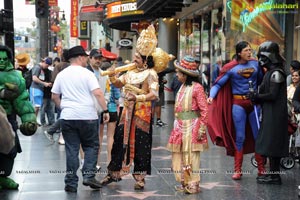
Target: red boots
<point>260,164</point>
<point>238,160</point>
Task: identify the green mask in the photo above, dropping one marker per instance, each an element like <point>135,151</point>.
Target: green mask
<point>4,61</point>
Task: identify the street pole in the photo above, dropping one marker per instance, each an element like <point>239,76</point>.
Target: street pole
<point>9,33</point>
<point>43,48</point>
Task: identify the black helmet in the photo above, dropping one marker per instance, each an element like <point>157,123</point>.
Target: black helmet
<point>271,51</point>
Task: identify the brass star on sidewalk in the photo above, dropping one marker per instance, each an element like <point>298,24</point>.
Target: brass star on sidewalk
<point>138,195</point>
<point>211,185</point>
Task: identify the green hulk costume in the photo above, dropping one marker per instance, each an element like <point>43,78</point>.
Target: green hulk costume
<point>15,100</point>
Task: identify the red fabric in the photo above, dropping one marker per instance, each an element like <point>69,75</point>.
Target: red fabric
<point>108,55</point>
<point>220,124</point>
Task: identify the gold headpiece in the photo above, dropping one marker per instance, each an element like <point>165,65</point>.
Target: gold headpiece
<point>161,59</point>
<point>147,41</point>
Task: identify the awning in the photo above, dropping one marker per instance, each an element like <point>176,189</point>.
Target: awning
<point>161,8</point>
<point>90,13</point>
<point>108,55</point>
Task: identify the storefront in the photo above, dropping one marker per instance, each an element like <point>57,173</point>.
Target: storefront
<point>211,32</point>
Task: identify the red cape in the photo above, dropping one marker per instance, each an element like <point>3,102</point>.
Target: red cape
<point>220,124</point>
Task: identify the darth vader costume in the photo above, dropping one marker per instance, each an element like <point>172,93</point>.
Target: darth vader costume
<point>272,140</point>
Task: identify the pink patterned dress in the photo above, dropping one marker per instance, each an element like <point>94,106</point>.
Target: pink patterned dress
<point>190,115</point>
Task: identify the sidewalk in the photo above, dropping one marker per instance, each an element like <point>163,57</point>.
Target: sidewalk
<point>39,170</point>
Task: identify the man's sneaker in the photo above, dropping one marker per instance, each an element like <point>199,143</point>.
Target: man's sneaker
<point>160,123</point>
<point>93,183</point>
<point>49,137</point>
<point>61,139</point>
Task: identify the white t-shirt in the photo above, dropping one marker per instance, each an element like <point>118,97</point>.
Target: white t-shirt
<point>75,84</point>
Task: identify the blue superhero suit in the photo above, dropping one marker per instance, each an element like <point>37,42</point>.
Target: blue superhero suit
<point>239,77</point>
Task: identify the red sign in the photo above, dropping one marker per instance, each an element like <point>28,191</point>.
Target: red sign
<point>74,16</point>
<point>53,2</point>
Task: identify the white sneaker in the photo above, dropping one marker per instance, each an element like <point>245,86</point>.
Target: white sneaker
<point>61,139</point>
<point>49,137</point>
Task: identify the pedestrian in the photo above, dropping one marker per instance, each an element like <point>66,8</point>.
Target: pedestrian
<point>79,120</point>
<point>161,102</point>
<point>273,139</point>
<point>294,66</point>
<point>38,84</point>
<point>233,119</point>
<point>188,137</point>
<point>56,127</point>
<point>95,63</point>
<point>114,94</point>
<point>22,61</point>
<point>133,136</point>
<point>48,106</point>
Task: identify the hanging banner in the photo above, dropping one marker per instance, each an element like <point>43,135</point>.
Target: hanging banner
<point>74,17</point>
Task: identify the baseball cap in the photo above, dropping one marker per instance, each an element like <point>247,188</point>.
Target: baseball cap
<point>95,53</point>
<point>48,61</point>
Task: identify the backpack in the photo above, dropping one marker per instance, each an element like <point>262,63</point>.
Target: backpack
<point>28,78</point>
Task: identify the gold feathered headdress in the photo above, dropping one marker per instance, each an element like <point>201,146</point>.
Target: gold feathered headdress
<point>147,41</point>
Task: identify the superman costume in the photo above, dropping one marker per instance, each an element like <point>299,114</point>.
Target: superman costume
<point>231,118</point>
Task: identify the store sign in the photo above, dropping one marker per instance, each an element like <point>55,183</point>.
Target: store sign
<point>122,8</point>
<point>84,32</point>
<point>90,13</point>
<point>125,43</point>
<point>74,16</point>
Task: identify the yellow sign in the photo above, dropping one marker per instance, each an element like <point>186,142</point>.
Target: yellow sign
<point>122,8</point>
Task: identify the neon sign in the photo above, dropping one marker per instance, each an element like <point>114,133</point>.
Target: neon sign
<point>248,14</point>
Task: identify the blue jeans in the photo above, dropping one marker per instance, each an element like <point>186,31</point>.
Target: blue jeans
<point>84,132</point>
<point>48,108</point>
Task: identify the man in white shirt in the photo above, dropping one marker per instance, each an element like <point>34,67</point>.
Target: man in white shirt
<point>77,86</point>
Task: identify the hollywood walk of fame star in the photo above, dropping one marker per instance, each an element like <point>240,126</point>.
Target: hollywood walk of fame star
<point>211,185</point>
<point>138,195</point>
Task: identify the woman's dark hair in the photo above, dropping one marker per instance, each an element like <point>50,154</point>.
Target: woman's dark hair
<point>239,47</point>
<point>190,79</point>
<point>150,61</point>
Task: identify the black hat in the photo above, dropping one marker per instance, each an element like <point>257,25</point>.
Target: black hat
<point>95,53</point>
<point>76,51</point>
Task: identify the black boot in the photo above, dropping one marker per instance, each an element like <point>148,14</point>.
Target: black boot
<point>273,177</point>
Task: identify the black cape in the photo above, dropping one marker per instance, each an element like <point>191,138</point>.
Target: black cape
<point>273,138</point>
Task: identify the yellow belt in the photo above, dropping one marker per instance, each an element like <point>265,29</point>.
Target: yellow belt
<point>240,97</point>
